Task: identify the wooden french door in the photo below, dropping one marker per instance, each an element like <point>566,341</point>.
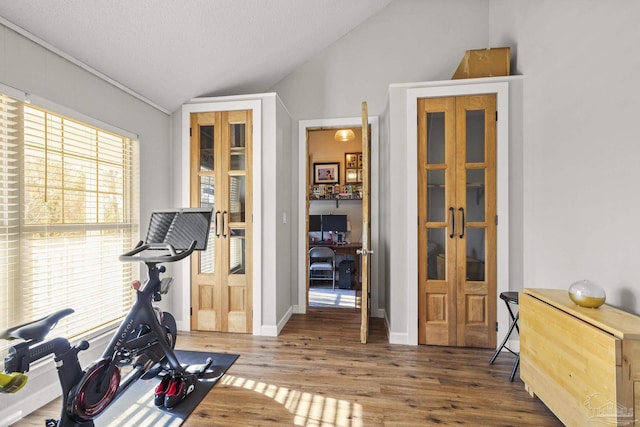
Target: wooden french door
<point>457,221</point>
<point>221,292</point>
<point>366,230</point>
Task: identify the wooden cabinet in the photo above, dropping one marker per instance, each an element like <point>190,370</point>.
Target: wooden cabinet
<point>583,363</point>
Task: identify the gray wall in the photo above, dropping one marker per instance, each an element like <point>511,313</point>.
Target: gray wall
<point>581,155</point>
<point>31,68</point>
<point>286,219</point>
<point>410,40</point>
<point>580,158</point>
<point>573,203</point>
<point>28,67</point>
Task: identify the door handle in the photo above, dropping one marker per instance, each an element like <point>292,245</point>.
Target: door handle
<point>216,224</point>
<point>453,222</point>
<point>363,252</point>
<point>224,230</point>
<point>462,228</point>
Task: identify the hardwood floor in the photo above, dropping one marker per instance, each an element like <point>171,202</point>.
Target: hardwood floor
<point>316,373</point>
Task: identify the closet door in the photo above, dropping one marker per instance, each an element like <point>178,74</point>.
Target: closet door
<point>236,217</point>
<point>436,219</point>
<point>476,261</point>
<point>220,176</point>
<point>457,233</point>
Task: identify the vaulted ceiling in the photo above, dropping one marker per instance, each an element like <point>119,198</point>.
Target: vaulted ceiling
<point>169,51</point>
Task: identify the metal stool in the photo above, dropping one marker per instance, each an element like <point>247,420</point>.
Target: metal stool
<point>509,298</point>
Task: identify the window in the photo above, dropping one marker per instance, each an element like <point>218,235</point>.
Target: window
<point>68,209</point>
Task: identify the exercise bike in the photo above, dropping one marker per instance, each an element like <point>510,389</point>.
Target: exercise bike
<point>143,344</point>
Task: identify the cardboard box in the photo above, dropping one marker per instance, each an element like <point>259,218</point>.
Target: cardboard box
<point>484,63</point>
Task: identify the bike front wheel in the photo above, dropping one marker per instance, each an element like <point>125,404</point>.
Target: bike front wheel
<point>95,392</point>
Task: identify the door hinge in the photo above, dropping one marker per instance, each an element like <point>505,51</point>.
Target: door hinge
<point>496,219</point>
<point>496,326</point>
<point>190,311</point>
<point>496,116</point>
<point>190,134</point>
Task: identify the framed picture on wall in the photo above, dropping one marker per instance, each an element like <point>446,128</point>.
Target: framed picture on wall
<point>326,173</point>
<point>352,160</point>
<point>353,175</point>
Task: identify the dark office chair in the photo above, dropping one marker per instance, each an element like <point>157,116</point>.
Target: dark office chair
<point>322,265</point>
<point>509,298</point>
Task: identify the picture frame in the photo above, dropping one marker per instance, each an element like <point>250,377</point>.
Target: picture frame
<point>326,173</point>
<point>353,176</point>
<point>353,167</point>
<point>353,160</point>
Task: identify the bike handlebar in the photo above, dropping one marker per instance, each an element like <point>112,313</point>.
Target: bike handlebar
<point>172,256</point>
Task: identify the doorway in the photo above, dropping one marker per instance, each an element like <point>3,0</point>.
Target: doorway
<point>328,205</point>
<point>334,216</point>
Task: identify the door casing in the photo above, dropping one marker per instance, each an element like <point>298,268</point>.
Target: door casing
<point>183,188</point>
<point>439,89</point>
<point>303,126</point>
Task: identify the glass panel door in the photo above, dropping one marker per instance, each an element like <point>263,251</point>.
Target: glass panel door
<point>437,222</point>
<point>205,145</point>
<point>221,158</point>
<point>456,216</point>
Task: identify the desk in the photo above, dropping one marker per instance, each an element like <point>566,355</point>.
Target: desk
<point>349,249</point>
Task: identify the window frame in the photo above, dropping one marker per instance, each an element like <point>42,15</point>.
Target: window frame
<point>130,195</point>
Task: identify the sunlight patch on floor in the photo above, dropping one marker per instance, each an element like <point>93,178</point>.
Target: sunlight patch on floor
<point>329,298</point>
<point>308,409</point>
<point>138,415</point>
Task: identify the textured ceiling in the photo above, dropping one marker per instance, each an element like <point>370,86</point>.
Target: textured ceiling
<point>169,51</point>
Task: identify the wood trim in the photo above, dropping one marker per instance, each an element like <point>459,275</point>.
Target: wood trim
<point>366,229</point>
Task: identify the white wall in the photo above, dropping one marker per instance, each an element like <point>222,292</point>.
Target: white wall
<point>581,161</point>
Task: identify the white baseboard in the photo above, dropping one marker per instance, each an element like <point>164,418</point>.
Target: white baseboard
<point>274,330</point>
<point>284,319</point>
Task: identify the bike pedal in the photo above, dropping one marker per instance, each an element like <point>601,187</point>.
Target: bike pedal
<point>153,372</point>
<point>11,383</point>
<point>179,388</point>
<point>200,369</point>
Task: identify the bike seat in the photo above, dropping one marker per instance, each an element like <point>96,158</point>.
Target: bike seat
<point>36,330</point>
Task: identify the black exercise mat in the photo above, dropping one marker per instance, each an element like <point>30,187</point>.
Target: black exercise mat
<point>135,406</point>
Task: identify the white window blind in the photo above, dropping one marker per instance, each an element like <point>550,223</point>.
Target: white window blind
<point>66,220</point>
<point>9,209</point>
